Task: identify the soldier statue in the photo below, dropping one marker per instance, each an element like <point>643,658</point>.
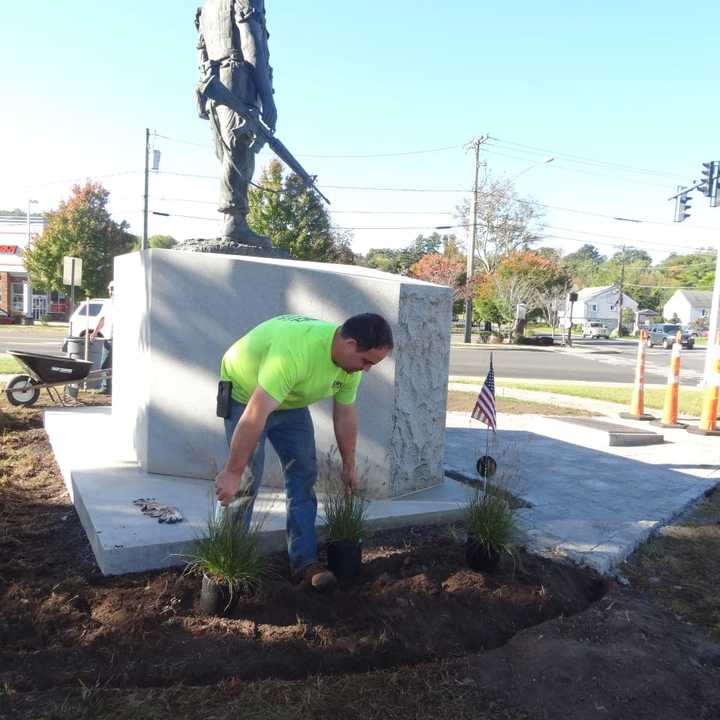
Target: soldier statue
<point>233,50</point>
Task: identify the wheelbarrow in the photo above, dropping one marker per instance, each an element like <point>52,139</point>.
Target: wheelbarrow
<point>47,372</point>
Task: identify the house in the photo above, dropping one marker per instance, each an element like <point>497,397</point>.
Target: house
<point>688,305</point>
<point>645,318</point>
<point>598,304</point>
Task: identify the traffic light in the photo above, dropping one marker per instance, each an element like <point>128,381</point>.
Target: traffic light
<point>708,179</point>
<point>682,207</point>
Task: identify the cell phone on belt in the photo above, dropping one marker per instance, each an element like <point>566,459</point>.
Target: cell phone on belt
<point>224,395</point>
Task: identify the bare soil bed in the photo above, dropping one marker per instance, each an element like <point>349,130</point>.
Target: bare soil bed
<point>418,635</point>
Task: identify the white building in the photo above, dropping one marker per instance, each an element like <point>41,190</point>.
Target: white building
<point>688,305</point>
<point>599,304</point>
<point>16,294</point>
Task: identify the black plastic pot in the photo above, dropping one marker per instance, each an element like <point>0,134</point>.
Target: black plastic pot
<point>215,597</point>
<point>479,557</point>
<point>344,559</point>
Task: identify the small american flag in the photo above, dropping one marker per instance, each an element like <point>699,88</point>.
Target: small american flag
<point>484,409</point>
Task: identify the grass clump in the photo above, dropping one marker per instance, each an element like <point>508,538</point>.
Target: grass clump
<point>230,554</point>
<point>344,512</point>
<point>490,521</point>
<point>345,516</point>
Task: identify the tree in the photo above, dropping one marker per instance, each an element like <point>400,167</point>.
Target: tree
<point>696,269</point>
<point>295,219</point>
<point>385,259</point>
<point>505,222</point>
<point>583,265</point>
<point>81,227</point>
<point>165,242</point>
<point>525,277</point>
<point>438,269</point>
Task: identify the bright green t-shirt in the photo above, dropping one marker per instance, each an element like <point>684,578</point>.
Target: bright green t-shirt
<point>289,357</point>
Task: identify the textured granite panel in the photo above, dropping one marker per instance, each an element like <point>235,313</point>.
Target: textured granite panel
<point>421,386</point>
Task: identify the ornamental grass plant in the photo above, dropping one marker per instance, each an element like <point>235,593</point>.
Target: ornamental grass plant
<point>344,513</point>
<point>230,554</point>
<point>345,516</point>
<point>489,521</point>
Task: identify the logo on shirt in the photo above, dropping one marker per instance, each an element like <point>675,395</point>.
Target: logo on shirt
<point>296,318</point>
<point>337,386</point>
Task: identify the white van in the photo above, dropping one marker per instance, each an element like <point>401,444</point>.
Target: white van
<point>595,329</point>
<point>86,317</point>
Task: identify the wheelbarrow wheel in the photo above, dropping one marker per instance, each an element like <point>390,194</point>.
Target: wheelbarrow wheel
<point>21,390</point>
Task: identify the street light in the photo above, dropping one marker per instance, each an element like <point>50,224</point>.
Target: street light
<point>30,202</point>
<point>545,161</point>
<point>27,289</point>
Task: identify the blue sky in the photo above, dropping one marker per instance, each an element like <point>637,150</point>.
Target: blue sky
<point>628,88</point>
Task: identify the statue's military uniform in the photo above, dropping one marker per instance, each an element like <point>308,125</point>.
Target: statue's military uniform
<point>220,46</point>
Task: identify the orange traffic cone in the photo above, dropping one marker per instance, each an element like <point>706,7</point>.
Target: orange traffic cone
<point>637,403</point>
<point>670,408</point>
<point>707,425</point>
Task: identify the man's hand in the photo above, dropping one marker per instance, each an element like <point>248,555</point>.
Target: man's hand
<point>350,481</point>
<point>227,483</point>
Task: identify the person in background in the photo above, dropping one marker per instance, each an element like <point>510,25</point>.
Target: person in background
<point>105,326</point>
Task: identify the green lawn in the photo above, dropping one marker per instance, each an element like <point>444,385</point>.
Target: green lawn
<point>689,401</point>
<point>8,365</point>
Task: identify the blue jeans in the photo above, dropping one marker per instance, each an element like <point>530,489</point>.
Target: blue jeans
<point>292,435</point>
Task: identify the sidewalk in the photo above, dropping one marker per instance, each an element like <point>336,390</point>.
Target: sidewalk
<point>591,503</point>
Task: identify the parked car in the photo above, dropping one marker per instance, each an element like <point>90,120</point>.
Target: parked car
<point>595,329</point>
<point>83,319</point>
<point>664,334</point>
<point>5,318</point>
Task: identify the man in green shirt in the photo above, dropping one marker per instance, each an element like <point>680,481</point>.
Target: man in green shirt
<point>277,370</point>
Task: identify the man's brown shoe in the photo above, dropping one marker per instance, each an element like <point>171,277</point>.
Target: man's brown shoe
<point>318,577</point>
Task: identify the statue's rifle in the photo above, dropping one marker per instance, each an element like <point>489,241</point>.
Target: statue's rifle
<point>213,89</point>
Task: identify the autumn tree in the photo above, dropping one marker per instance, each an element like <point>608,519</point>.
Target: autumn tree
<point>505,222</point>
<point>81,227</point>
<point>295,218</point>
<point>525,277</point>
<point>441,270</point>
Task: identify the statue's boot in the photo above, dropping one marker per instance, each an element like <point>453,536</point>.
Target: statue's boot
<point>237,230</point>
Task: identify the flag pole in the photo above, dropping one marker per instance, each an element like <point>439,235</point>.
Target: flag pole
<point>487,449</point>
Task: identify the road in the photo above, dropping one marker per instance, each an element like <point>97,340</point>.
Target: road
<point>32,339</point>
<point>599,361</point>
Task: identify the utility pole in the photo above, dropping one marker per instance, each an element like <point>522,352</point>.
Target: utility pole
<point>622,289</point>
<point>470,269</point>
<point>144,243</point>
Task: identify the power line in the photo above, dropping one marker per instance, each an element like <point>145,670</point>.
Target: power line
<point>580,159</point>
<point>585,172</point>
<point>401,153</point>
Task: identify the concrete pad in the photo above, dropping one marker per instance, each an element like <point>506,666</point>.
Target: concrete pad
<point>591,503</point>
<point>618,435</point>
<point>103,485</point>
